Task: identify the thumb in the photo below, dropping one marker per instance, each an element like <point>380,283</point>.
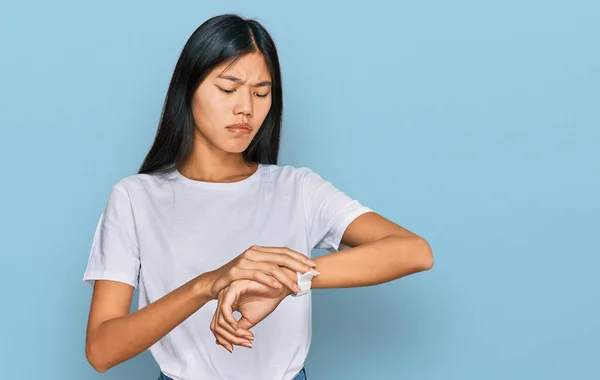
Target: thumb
<point>244,323</point>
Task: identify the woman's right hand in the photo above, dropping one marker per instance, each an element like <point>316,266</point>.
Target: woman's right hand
<point>263,265</point>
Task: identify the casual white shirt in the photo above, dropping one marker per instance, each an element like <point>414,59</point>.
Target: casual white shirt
<point>158,232</point>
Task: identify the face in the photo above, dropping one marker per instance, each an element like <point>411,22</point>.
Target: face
<point>231,104</point>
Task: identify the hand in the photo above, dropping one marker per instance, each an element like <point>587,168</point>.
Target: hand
<point>254,301</point>
<point>261,264</point>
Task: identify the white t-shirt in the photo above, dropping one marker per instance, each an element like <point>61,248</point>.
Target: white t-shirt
<point>157,232</point>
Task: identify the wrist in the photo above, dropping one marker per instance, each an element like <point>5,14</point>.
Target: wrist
<point>202,287</point>
<point>303,280</point>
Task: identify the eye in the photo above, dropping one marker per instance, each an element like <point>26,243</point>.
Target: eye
<point>262,95</point>
<point>225,90</point>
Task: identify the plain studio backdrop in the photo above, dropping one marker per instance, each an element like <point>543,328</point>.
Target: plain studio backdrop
<point>474,124</point>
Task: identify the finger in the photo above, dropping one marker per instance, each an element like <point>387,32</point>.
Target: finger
<point>273,271</point>
<point>254,272</point>
<point>289,252</point>
<point>245,323</point>
<point>236,336</point>
<point>215,323</point>
<point>282,259</point>
<point>225,310</point>
<point>240,333</point>
<point>229,338</point>
<point>292,284</point>
<point>224,330</point>
<point>219,339</point>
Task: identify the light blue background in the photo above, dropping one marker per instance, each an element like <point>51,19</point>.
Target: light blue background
<point>474,124</point>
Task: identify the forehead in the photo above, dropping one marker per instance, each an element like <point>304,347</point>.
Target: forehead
<point>249,66</point>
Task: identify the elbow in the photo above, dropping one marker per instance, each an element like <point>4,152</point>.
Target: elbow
<point>425,255</point>
<point>94,358</point>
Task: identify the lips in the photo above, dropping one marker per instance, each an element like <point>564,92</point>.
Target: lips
<point>240,128</point>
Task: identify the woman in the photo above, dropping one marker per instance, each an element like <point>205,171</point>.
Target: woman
<point>211,226</point>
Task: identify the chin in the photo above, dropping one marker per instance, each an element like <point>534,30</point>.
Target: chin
<point>236,148</point>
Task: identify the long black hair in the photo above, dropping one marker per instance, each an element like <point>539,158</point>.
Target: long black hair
<point>218,40</point>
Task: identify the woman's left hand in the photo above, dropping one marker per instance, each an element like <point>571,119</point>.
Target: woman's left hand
<point>254,301</point>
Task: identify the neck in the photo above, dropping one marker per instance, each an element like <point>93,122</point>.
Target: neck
<point>208,165</point>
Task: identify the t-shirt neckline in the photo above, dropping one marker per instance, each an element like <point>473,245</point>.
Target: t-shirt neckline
<point>220,185</point>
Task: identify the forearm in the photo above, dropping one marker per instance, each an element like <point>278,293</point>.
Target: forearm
<point>117,340</point>
<point>373,263</point>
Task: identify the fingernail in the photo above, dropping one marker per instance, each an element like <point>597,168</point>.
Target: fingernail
<point>315,272</point>
<point>248,344</point>
<point>296,288</point>
<point>310,262</point>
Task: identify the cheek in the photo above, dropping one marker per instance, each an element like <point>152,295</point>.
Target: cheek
<point>210,113</point>
<point>263,109</point>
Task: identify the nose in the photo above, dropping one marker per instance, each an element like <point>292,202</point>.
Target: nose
<point>243,103</point>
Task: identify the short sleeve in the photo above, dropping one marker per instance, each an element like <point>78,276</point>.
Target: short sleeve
<point>329,211</point>
<point>114,252</point>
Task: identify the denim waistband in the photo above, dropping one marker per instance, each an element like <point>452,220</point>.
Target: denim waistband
<point>300,376</point>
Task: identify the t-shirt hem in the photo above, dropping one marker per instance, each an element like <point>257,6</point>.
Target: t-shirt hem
<point>90,277</point>
<point>342,225</point>
<point>168,374</point>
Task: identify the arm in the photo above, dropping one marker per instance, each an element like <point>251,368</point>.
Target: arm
<point>382,251</point>
<point>114,335</point>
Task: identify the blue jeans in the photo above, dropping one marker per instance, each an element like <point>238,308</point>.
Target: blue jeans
<point>300,376</point>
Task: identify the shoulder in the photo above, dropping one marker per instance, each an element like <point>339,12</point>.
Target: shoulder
<point>141,183</point>
<point>301,181</point>
<point>288,173</point>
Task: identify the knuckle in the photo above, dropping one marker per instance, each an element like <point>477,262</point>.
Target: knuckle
<point>294,264</point>
<point>234,271</point>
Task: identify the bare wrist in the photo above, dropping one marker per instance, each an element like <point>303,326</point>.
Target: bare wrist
<point>202,287</point>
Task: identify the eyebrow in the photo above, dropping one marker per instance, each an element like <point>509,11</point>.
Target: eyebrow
<point>238,80</point>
